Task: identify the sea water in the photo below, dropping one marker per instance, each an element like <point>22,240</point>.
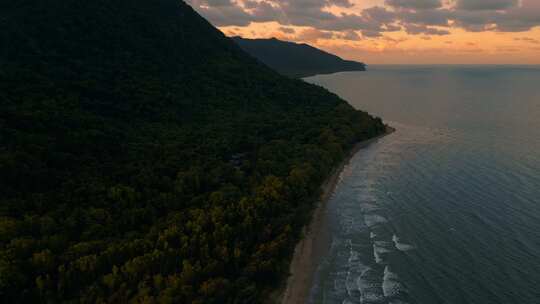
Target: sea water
<point>446,209</point>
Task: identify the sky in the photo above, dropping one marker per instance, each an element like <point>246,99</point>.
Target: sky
<point>391,31</point>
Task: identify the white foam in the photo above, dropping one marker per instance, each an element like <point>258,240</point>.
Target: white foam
<point>389,275</point>
<point>378,251</point>
<point>377,257</point>
<point>350,285</point>
<point>368,207</point>
<point>353,257</point>
<point>371,297</point>
<point>401,246</point>
<point>387,245</point>
<point>374,219</point>
<point>369,289</point>
<point>372,235</point>
<point>391,285</point>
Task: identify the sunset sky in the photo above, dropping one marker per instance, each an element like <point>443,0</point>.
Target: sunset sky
<point>391,31</point>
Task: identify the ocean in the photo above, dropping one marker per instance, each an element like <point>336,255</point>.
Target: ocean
<point>447,208</point>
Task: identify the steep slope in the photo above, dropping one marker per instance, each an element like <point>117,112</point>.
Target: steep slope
<point>296,60</point>
<point>145,157</point>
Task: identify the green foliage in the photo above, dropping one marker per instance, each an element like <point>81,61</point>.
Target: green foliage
<point>145,158</point>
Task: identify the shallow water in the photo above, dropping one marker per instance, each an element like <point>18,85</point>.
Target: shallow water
<point>447,209</point>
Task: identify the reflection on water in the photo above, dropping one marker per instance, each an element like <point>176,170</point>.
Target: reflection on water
<point>447,209</point>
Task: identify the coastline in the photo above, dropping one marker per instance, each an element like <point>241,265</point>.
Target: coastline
<point>315,242</point>
<point>312,74</point>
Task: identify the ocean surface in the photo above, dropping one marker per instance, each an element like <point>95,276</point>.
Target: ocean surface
<point>447,209</point>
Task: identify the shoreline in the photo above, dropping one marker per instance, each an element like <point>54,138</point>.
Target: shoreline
<point>315,241</point>
<point>329,73</point>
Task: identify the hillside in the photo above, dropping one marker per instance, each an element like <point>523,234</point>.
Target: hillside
<point>145,157</point>
<point>296,60</point>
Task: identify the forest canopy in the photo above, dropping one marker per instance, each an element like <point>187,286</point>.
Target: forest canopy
<point>144,157</point>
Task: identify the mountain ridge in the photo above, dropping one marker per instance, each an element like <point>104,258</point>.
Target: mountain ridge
<point>296,59</point>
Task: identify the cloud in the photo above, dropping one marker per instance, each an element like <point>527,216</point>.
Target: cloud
<point>430,17</point>
<point>434,17</point>
<point>287,30</point>
<point>222,12</point>
<point>421,29</point>
<point>515,19</point>
<point>528,39</point>
<point>307,13</point>
<point>350,35</point>
<point>486,4</point>
<point>313,35</point>
<point>519,19</point>
<point>341,3</point>
<point>474,21</point>
<point>415,4</point>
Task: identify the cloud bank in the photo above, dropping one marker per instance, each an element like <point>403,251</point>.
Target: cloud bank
<point>339,18</point>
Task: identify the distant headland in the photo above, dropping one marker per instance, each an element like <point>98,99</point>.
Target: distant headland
<point>296,60</point>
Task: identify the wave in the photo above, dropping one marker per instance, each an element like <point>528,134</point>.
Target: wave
<point>372,220</point>
<point>401,246</point>
<point>380,249</point>
<point>369,207</point>
<point>391,285</point>
<point>369,285</point>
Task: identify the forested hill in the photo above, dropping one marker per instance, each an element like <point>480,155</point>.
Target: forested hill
<point>145,158</point>
<point>296,60</point>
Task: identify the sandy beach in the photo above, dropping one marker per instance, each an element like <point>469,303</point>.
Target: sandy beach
<point>316,242</point>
